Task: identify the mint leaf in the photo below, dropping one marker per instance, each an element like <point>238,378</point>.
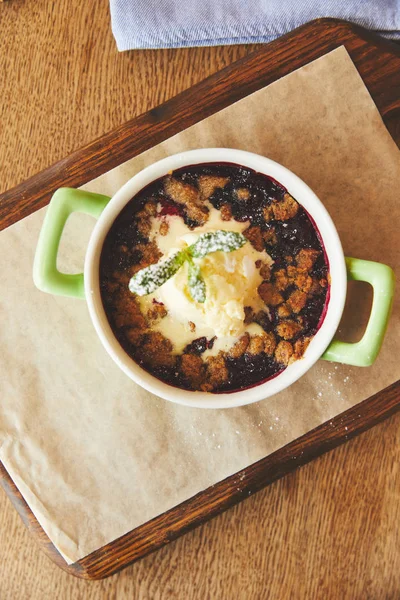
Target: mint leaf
<point>149,279</point>
<point>197,286</point>
<point>225,241</point>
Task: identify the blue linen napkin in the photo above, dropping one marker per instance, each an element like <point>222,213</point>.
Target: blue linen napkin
<point>182,23</point>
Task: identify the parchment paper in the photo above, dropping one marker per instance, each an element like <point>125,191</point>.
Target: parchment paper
<point>93,454</point>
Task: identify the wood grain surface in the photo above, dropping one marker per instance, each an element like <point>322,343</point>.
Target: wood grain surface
<point>379,64</point>
<point>327,531</point>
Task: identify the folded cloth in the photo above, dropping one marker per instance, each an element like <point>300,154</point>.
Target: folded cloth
<point>183,23</point>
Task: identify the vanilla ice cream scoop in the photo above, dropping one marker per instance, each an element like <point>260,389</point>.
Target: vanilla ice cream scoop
<point>231,280</point>
<point>231,284</point>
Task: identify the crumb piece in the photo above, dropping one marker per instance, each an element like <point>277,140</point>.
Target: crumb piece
<point>136,320</point>
<point>243,194</point>
<point>240,347</point>
<point>284,311</point>
<point>269,343</point>
<point>128,313</point>
<point>157,311</point>
<point>164,228</point>
<point>156,350</point>
<point>248,315</point>
<point>217,372</point>
<point>193,368</point>
<point>265,272</point>
<point>209,183</point>
<point>206,387</point>
<point>187,195</point>
<point>301,346</point>
<point>288,329</point>
<point>144,226</point>
<point>268,213</point>
<point>192,326</point>
<point>262,343</point>
<point>283,352</point>
<point>150,208</point>
<point>293,271</point>
<point>289,259</point>
<point>181,192</point>
<point>282,280</point>
<point>258,263</point>
<point>299,278</point>
<point>323,283</point>
<point>285,209</point>
<point>199,214</point>
<point>304,282</point>
<point>123,248</point>
<point>315,287</point>
<point>150,255</point>
<point>226,212</point>
<point>297,301</point>
<point>269,236</point>
<point>306,258</point>
<point>255,237</point>
<point>134,336</point>
<point>256,345</point>
<point>270,295</point>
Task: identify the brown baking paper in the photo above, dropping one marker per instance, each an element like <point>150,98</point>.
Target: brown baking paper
<point>93,454</point>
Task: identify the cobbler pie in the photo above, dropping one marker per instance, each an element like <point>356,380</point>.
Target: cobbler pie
<point>214,278</point>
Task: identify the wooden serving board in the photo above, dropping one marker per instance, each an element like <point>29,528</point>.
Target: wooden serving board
<point>378,62</point>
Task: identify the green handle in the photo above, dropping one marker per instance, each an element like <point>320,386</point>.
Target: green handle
<point>364,352</point>
<point>64,202</point>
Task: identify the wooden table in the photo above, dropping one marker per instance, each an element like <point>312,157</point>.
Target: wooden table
<point>330,530</point>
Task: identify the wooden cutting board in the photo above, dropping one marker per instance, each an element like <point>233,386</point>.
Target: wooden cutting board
<point>378,62</point>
